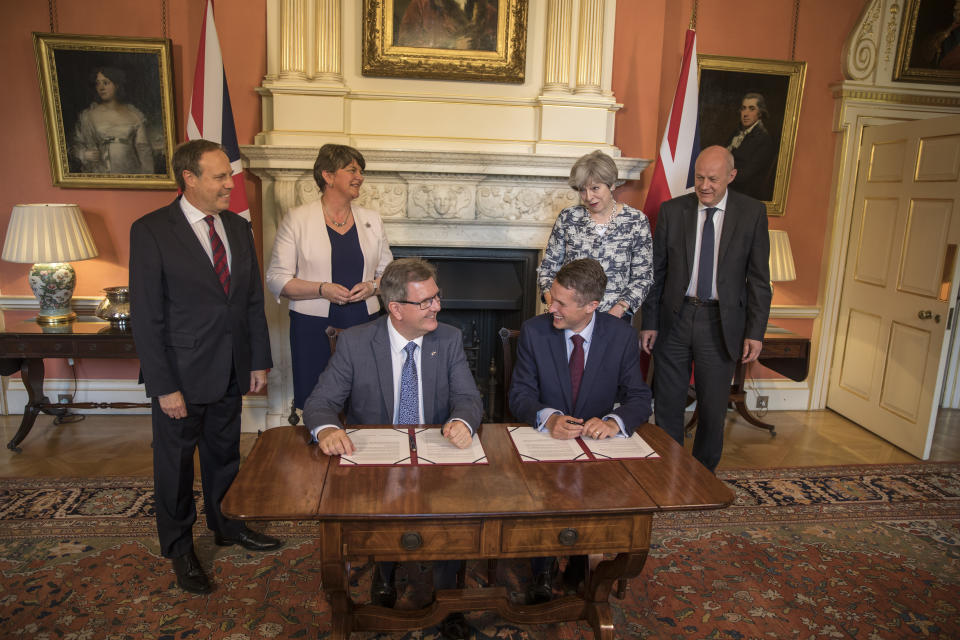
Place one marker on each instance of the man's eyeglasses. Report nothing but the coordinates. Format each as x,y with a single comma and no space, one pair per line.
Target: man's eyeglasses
423,304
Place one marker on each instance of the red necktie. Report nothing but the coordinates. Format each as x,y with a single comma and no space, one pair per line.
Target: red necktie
219,256
576,368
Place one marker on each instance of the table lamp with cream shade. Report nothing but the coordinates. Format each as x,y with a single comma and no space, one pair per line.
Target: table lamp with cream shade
49,236
781,258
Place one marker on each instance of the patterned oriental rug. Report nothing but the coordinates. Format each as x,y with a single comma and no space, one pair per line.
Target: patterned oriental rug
867,551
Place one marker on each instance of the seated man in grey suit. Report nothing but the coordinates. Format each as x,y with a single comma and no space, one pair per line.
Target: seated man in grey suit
403,368
577,375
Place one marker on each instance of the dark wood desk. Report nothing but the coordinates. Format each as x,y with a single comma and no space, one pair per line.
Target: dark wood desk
504,509
24,346
784,352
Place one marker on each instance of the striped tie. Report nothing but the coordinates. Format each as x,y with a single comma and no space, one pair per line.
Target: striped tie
219,256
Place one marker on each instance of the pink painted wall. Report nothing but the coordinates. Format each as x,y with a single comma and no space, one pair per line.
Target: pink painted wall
649,42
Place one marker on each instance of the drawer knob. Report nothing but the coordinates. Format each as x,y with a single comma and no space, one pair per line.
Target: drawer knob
411,541
568,537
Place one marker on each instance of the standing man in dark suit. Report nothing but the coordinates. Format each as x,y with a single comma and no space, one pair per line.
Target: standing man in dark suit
403,368
201,334
577,374
710,299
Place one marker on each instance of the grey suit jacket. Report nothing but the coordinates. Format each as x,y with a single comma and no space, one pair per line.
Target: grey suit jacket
188,332
360,378
743,270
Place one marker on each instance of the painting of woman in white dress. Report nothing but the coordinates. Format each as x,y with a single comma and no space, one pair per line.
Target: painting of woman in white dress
108,110
111,134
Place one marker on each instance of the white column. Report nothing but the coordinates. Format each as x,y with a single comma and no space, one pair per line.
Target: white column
328,60
590,47
292,59
557,58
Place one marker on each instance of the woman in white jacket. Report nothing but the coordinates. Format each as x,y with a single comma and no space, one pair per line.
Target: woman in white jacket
327,260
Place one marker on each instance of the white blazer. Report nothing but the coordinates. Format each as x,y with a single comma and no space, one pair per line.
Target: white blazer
302,250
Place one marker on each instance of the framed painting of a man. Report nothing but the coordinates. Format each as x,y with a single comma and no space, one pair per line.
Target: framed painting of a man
751,107
108,110
929,46
483,40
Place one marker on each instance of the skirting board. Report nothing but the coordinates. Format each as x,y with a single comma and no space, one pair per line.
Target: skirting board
783,395
252,419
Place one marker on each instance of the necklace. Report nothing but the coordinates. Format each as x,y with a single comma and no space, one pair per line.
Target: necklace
338,225
608,214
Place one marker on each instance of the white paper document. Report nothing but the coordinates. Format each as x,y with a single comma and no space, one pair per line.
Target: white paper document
433,448
632,447
379,446
540,446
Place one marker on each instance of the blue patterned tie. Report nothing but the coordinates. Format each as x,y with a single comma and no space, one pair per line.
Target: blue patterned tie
409,410
705,268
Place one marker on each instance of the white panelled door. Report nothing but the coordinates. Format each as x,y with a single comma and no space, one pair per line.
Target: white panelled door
900,279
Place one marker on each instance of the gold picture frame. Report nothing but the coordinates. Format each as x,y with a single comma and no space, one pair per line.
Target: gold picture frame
929,45
764,162
485,41
108,110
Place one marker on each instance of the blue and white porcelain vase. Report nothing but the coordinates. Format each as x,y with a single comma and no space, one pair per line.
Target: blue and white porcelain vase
53,284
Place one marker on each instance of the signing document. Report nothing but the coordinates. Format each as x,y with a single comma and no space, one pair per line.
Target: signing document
620,447
379,446
433,448
540,446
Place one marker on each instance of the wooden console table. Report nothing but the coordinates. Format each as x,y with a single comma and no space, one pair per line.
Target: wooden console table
24,346
784,352
504,509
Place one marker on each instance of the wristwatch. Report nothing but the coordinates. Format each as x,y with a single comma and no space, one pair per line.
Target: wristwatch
320,289
626,307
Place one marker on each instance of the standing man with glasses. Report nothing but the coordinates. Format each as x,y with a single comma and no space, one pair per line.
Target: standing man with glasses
403,368
709,302
201,334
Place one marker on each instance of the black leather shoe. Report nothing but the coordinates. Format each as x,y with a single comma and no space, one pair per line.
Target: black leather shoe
455,627
248,539
190,574
382,593
541,588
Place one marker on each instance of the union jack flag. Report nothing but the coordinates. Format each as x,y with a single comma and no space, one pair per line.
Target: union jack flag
673,174
210,116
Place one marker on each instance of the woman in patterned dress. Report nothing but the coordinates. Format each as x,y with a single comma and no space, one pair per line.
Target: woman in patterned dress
613,233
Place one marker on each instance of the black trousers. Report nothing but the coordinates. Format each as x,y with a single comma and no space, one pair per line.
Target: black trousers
694,343
214,429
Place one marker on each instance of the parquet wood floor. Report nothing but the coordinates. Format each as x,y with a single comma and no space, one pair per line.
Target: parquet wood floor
119,445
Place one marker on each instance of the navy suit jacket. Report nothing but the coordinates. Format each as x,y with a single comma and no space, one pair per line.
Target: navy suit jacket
743,269
360,378
188,332
541,376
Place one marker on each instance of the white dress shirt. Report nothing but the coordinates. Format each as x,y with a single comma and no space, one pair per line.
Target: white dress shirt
717,228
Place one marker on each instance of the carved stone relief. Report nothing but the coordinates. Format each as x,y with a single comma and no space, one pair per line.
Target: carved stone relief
527,203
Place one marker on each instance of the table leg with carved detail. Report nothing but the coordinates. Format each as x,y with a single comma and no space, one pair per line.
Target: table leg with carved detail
31,371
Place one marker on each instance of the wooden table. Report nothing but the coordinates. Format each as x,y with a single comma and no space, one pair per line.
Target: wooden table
784,352
504,509
24,346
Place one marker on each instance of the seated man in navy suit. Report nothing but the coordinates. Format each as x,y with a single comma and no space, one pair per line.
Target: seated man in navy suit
577,374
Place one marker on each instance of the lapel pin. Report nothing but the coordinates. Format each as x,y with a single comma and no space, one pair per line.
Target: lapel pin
433,353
